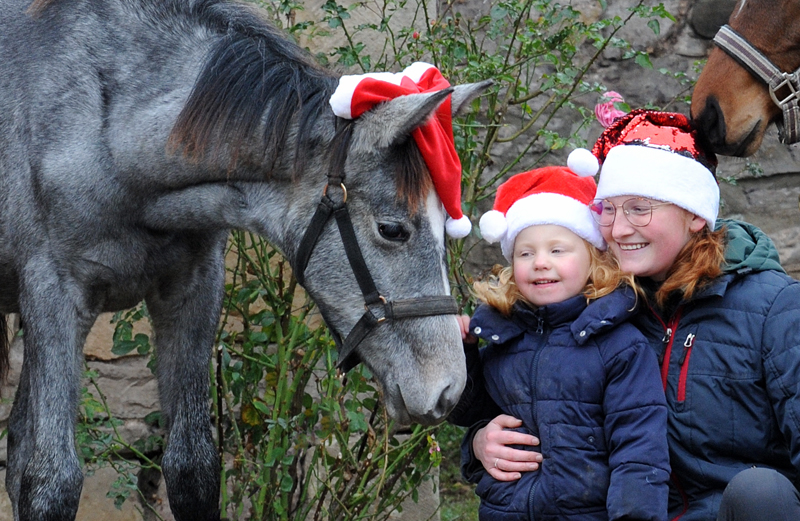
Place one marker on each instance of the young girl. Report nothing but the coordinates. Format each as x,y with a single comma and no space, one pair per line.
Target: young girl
562,358
723,318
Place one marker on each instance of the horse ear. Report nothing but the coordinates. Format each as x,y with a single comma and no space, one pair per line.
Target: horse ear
396,119
464,94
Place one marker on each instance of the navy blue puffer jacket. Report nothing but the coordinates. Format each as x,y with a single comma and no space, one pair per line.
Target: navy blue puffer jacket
731,372
586,383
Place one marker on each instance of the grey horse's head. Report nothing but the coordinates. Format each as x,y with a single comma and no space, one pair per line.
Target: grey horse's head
400,225
264,120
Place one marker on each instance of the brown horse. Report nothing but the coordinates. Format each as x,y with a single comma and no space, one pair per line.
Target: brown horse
731,104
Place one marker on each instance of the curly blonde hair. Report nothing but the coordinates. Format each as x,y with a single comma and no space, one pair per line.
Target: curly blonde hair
500,291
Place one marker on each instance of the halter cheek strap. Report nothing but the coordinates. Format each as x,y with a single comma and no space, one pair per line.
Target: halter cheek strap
378,310
784,87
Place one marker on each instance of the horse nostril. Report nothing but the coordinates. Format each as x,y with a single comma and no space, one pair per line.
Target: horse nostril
447,400
711,123
438,405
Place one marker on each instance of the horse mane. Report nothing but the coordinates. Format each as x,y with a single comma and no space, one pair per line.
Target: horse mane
412,179
255,77
252,77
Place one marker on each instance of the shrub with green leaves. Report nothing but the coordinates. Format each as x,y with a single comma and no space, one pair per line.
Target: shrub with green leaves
298,440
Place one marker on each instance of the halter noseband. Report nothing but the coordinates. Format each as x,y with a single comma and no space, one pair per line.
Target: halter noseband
760,66
379,310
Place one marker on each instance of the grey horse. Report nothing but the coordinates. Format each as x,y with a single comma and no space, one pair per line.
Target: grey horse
134,134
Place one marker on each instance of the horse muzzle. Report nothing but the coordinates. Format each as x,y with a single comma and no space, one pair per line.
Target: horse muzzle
423,400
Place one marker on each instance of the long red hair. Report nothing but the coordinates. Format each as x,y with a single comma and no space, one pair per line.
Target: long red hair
698,263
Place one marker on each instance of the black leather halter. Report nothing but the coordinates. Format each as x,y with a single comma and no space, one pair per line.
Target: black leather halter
784,87
379,310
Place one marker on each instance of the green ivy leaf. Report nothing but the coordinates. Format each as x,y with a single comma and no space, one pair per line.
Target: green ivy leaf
123,347
643,60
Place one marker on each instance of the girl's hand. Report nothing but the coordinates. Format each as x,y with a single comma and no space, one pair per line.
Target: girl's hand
501,462
466,336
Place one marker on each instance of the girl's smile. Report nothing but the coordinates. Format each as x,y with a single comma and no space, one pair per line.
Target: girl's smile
650,251
551,264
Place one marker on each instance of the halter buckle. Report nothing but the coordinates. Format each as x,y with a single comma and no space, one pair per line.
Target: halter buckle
788,82
383,317
344,192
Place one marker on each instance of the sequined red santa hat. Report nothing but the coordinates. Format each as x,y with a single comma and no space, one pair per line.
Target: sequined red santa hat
658,155
548,195
357,94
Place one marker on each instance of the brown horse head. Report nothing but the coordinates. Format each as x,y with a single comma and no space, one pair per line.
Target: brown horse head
730,105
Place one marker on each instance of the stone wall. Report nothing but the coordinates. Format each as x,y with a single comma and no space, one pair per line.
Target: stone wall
762,189
766,193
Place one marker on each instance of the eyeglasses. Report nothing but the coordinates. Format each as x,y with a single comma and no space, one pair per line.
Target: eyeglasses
638,211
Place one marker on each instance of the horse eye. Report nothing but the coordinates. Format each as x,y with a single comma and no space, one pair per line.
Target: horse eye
393,232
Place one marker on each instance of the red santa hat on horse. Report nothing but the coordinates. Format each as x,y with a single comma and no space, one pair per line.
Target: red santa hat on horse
358,93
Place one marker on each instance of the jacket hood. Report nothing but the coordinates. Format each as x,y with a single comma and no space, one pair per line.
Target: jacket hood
748,248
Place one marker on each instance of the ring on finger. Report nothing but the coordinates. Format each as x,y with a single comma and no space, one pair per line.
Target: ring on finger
495,462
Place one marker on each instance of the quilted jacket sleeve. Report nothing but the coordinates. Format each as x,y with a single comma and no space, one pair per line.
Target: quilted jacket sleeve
636,427
781,354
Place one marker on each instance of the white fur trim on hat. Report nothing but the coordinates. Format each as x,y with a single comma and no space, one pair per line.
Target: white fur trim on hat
661,175
458,228
342,97
583,162
550,208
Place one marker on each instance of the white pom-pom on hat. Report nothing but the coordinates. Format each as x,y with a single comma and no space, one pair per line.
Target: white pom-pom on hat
583,162
493,226
458,228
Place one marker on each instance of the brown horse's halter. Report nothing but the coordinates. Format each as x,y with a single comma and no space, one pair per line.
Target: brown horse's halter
379,310
784,87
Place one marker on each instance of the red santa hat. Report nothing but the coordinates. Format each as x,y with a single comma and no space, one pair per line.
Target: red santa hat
548,195
357,94
658,155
